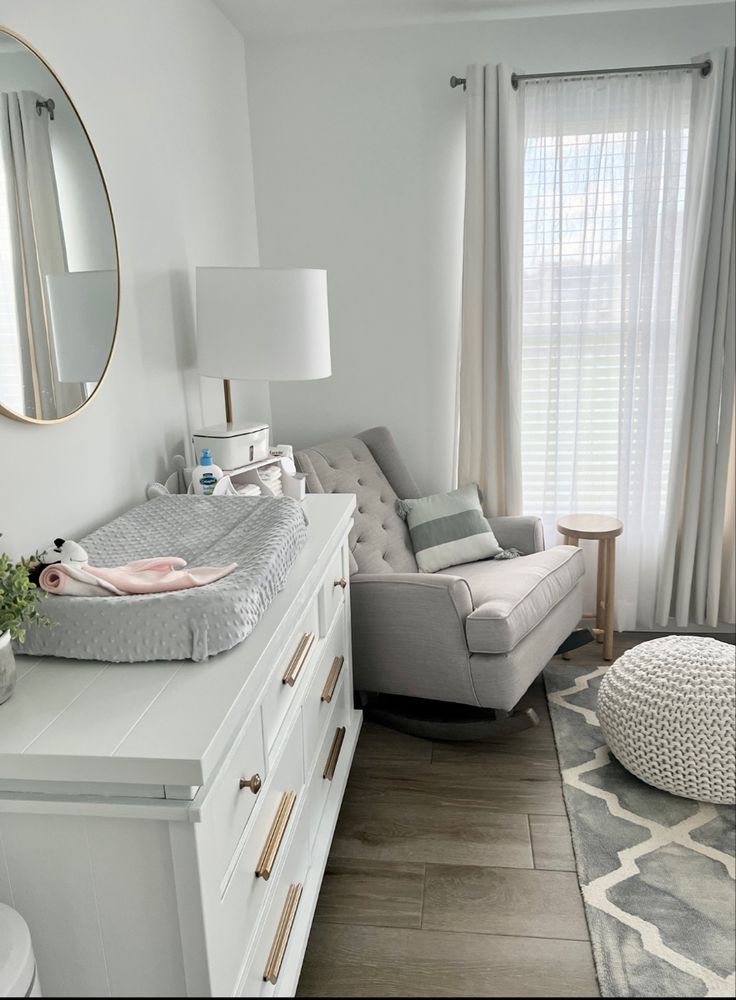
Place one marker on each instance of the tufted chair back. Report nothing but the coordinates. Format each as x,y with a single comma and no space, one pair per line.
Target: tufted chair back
369,466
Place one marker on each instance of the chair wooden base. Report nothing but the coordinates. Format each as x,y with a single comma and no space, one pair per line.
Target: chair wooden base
444,721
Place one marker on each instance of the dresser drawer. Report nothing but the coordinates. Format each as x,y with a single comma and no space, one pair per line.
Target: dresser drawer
332,591
322,693
238,900
237,790
330,760
274,938
287,679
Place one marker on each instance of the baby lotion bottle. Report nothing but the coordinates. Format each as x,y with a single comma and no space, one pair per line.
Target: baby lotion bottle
206,474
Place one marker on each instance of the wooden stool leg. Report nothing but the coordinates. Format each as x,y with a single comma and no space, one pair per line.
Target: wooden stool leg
600,591
610,598
569,541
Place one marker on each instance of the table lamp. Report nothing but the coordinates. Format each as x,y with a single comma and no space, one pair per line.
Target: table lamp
261,324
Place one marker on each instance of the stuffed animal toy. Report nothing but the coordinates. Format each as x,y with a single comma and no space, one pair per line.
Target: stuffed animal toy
62,551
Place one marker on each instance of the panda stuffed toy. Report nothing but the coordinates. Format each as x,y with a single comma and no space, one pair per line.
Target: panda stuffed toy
63,551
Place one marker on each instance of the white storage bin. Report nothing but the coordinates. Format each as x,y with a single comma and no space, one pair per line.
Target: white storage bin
233,446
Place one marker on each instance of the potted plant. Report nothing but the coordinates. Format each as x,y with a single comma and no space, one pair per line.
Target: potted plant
19,597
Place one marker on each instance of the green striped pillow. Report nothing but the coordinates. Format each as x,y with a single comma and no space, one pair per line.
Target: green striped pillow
448,529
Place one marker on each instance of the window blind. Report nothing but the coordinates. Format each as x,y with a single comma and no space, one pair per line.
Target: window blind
605,166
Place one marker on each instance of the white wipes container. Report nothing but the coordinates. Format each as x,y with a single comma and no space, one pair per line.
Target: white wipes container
18,977
233,445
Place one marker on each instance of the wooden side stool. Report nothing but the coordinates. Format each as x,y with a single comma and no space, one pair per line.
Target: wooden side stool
605,530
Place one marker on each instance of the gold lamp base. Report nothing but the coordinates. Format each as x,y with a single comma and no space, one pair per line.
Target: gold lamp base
228,401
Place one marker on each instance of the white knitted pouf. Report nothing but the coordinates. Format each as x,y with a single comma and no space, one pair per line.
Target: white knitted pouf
668,711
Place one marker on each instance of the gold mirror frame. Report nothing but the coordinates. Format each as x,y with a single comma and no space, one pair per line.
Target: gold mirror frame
20,417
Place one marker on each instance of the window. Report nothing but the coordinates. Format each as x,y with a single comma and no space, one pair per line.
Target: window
604,190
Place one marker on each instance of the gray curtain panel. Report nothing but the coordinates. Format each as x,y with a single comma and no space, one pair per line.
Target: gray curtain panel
489,377
691,570
37,249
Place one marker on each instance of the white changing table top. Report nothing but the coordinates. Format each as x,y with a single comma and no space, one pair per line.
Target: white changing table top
153,723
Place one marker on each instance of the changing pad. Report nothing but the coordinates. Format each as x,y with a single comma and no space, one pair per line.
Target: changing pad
262,535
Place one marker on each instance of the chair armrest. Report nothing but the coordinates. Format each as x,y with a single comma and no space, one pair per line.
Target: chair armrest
410,588
409,635
523,533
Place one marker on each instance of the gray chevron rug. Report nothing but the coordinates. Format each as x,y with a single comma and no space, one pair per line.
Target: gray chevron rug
656,871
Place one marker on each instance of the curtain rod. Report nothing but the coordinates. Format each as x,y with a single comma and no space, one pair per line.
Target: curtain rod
49,104
516,78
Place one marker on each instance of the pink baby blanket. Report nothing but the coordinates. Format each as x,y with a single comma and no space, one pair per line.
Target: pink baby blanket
146,576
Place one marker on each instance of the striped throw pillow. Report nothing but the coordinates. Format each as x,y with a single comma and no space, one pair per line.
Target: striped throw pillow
448,529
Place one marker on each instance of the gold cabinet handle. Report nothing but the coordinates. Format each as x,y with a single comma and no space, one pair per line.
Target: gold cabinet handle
275,836
297,661
329,771
254,783
283,933
341,583
332,679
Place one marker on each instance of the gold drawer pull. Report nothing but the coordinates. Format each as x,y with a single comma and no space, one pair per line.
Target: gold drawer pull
297,661
275,836
332,679
254,783
283,933
329,771
341,583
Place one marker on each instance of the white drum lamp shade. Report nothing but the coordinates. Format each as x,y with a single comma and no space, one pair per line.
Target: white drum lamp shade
262,323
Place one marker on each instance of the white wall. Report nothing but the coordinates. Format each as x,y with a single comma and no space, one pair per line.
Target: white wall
358,153
161,88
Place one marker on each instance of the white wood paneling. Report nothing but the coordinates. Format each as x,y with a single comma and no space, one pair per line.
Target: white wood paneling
25,663
40,697
53,888
6,890
89,722
133,875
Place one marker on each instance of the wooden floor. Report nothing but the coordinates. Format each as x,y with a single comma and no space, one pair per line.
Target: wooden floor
452,872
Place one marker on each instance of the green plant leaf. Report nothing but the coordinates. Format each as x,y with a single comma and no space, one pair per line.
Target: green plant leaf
19,598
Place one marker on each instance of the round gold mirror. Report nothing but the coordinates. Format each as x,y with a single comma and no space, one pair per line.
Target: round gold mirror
58,251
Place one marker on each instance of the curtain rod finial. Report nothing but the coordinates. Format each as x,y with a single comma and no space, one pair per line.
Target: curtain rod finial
457,81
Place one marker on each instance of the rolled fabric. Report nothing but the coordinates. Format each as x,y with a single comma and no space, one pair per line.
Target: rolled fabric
157,576
57,579
145,576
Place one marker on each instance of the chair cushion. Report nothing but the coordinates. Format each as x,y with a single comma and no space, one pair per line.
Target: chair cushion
512,597
379,541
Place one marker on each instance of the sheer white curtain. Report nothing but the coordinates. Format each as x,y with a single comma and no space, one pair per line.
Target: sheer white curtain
489,380
604,188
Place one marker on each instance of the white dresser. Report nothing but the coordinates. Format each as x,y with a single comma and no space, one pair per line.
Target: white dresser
164,827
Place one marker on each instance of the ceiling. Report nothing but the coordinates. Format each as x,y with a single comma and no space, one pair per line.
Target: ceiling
271,17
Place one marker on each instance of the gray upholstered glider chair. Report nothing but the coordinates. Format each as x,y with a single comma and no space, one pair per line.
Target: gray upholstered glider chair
476,634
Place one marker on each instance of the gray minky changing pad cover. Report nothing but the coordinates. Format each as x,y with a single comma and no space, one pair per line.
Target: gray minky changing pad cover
263,535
